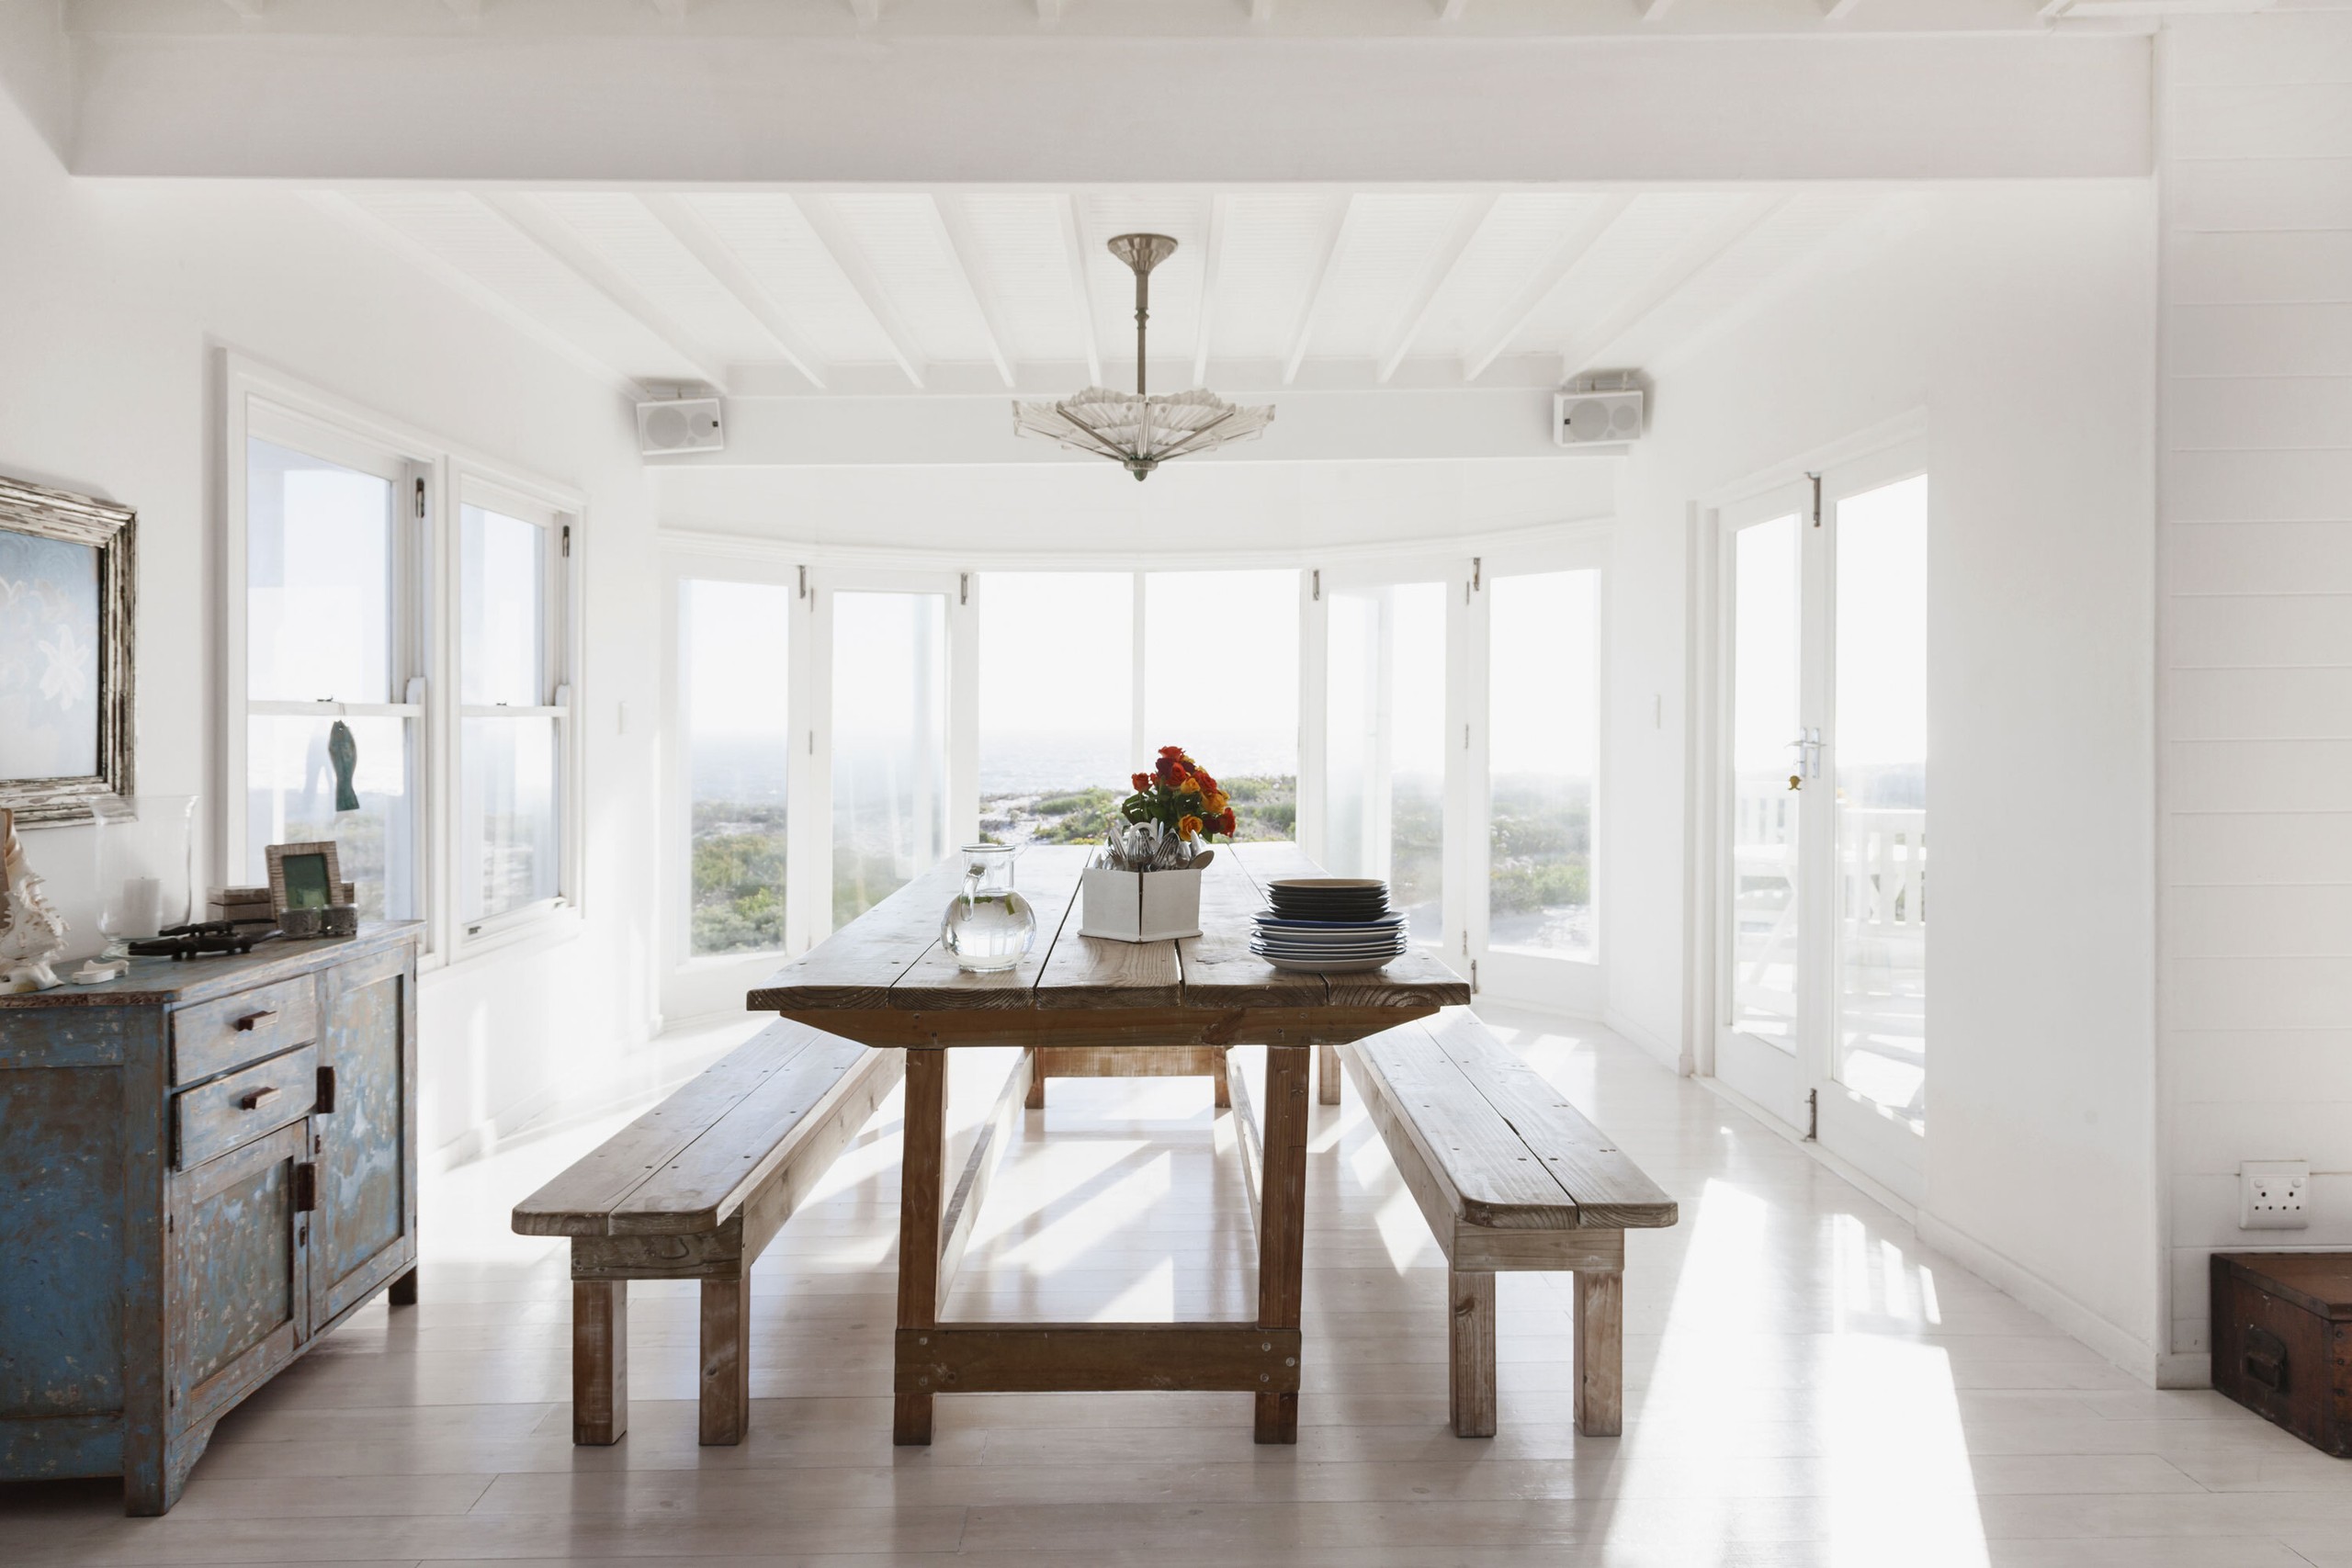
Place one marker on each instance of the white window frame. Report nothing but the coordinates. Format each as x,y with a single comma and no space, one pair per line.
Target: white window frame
259,400
474,483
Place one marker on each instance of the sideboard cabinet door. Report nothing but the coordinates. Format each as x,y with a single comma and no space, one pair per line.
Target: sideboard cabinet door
366,1227
240,1294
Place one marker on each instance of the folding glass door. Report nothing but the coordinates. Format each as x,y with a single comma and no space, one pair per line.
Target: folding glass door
1385,753
1821,829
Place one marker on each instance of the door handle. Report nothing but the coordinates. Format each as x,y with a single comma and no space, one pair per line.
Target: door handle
255,1098
245,1024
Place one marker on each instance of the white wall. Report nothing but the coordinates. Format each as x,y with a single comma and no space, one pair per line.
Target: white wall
2020,321
121,297
2256,768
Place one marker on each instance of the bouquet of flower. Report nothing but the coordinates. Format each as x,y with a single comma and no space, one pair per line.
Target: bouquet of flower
1175,806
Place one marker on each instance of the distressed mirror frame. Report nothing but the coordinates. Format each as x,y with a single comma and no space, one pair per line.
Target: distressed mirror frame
112,531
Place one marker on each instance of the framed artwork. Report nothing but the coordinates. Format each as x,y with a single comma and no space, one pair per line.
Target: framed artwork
303,877
68,582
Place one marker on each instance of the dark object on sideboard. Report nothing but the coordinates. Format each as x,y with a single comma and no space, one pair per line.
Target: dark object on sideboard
2282,1340
206,1164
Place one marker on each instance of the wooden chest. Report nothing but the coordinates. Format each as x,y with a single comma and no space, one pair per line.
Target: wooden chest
203,1167
2282,1340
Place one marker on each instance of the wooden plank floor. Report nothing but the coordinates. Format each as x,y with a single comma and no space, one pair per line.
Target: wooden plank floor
1806,1384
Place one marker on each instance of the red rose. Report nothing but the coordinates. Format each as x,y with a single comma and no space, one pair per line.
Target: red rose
1142,782
1167,768
1171,752
1208,784
1225,823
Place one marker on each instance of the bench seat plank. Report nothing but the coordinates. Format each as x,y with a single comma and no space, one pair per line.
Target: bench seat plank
1496,1179
581,1201
1610,1190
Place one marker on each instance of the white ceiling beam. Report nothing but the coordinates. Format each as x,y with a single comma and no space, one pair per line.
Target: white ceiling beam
551,234
1205,317
868,11
827,225
1262,10
467,10
1051,11
676,10
248,10
435,265
1838,10
691,231
1581,238
1318,294
1451,10
952,228
1685,262
1074,251
1655,10
1440,274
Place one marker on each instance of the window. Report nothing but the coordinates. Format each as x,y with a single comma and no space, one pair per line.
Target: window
1543,718
889,744
1384,746
510,742
380,582
735,674
326,552
1057,685
1221,680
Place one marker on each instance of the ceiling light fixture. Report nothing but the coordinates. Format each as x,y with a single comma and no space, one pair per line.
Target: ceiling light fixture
1139,432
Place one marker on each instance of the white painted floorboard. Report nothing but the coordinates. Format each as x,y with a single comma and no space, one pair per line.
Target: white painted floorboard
1806,1384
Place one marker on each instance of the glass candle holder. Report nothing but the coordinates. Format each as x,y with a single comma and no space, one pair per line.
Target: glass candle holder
146,876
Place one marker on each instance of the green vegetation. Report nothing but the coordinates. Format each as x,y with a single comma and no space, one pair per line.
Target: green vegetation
1542,845
738,877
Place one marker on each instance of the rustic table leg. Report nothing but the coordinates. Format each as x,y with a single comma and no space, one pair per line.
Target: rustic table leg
921,1171
1470,1378
1282,1223
1036,1100
1600,1353
599,1361
726,1359
1326,1074
1224,1084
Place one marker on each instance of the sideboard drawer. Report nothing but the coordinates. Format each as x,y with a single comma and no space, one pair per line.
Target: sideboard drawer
215,1036
218,1116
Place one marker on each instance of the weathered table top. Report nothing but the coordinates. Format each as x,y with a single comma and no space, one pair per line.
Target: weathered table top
885,979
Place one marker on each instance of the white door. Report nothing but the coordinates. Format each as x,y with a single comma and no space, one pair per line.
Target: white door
1820,983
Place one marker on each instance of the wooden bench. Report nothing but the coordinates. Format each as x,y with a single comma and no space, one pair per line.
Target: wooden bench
1509,1177
693,1190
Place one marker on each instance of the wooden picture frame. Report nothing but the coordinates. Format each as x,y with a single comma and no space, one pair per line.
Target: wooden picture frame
66,712
295,889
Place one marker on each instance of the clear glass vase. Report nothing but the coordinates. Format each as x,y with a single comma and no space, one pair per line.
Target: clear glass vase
146,874
989,926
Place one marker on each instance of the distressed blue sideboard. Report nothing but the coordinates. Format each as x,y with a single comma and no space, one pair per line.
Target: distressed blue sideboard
203,1167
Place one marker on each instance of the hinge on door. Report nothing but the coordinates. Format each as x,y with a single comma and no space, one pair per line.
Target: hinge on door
306,1188
419,498
1318,577
1474,977
804,583
1813,1115
567,541
326,1093
1477,569
963,588
1815,477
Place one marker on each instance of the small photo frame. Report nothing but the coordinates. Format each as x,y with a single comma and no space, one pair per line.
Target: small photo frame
303,877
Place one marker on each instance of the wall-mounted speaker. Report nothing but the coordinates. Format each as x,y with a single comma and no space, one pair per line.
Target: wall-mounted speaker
681,425
1581,419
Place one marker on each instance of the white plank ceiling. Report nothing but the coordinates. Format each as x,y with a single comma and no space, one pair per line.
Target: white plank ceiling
778,292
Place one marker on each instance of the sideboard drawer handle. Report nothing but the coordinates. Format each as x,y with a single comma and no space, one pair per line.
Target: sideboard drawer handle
245,1024
255,1098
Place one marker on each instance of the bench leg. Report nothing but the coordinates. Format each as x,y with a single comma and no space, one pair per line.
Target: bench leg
1470,1376
401,1293
921,1175
599,1361
1326,1074
1036,1100
1224,1085
1600,1353
725,1361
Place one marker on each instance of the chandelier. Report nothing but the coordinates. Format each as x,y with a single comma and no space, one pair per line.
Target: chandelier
1138,432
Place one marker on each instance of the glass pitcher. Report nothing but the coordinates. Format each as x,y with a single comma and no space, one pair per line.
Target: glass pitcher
989,926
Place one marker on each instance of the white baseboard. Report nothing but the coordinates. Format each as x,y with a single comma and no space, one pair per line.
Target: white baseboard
1672,1058
482,1139
2192,1368
1845,1170
2119,1345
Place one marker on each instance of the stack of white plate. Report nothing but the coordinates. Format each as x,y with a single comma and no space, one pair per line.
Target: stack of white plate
1329,923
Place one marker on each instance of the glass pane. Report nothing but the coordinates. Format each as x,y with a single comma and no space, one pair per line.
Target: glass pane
318,579
1767,654
1544,691
508,836
1417,753
1221,680
889,744
1883,795
290,799
734,656
502,575
1057,688
1385,741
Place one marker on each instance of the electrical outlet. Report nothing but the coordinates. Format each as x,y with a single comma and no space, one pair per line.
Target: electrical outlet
2270,1194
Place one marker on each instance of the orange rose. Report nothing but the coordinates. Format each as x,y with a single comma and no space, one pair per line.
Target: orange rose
1214,800
1191,785
1190,827
1142,782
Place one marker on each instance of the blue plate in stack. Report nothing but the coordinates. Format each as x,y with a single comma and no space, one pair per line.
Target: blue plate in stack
1329,923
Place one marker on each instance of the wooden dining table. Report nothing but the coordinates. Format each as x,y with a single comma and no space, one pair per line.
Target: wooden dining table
886,981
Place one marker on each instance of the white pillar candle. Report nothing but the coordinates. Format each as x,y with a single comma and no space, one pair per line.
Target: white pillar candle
143,906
